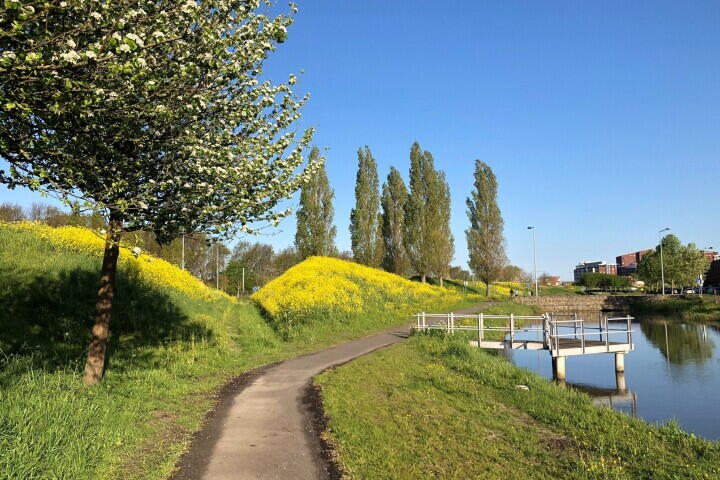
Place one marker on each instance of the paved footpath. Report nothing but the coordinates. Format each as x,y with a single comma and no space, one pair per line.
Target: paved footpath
266,430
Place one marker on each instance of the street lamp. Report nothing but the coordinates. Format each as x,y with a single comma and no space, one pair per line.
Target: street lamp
534,261
662,267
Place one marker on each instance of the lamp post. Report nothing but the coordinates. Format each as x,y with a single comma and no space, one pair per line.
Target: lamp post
534,261
662,267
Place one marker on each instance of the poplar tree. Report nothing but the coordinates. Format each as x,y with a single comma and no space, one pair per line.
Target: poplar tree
427,237
485,239
441,243
394,199
152,113
315,230
365,219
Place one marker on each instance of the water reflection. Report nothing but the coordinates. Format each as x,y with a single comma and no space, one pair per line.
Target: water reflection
679,343
619,398
673,373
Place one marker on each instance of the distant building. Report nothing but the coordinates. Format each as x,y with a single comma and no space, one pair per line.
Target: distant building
550,281
593,267
712,277
627,264
711,255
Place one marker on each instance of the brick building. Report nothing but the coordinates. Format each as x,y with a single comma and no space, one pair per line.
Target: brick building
711,255
550,281
593,267
627,264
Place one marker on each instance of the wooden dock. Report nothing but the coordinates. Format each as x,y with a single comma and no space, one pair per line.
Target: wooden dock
562,335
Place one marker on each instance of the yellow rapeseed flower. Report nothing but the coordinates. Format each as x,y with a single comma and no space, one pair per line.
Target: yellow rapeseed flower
322,286
155,271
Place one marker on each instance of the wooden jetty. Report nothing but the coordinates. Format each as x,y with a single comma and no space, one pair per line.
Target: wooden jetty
562,335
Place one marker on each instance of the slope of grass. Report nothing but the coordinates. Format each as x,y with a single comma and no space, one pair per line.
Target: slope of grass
173,343
163,346
705,309
434,407
322,296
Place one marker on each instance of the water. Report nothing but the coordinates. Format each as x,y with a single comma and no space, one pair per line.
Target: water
673,373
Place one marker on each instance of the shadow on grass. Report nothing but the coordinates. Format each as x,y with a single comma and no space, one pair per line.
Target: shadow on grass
47,319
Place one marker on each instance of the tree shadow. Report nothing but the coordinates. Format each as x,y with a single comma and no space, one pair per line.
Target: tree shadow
47,319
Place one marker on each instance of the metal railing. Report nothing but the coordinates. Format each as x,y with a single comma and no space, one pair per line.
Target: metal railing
552,327
602,330
424,322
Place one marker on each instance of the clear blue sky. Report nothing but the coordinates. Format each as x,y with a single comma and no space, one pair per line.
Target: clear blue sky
600,119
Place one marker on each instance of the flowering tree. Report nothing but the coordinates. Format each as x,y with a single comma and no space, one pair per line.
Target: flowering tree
151,112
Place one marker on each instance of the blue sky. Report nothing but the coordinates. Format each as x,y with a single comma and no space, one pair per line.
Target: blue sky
601,120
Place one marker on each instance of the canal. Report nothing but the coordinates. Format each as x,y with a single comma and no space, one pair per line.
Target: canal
673,373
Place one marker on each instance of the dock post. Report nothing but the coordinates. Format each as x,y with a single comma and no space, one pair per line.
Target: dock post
480,329
451,324
558,364
423,322
512,330
619,362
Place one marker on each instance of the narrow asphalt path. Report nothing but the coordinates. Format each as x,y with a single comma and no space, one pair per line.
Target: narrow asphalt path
263,427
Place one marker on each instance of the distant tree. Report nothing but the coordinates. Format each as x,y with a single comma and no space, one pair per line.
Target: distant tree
682,263
239,278
426,232
257,259
315,230
394,199
604,280
346,255
11,212
152,113
459,273
365,220
285,259
486,242
512,273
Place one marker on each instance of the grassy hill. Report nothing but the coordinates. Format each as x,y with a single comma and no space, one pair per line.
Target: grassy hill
173,343
328,294
434,407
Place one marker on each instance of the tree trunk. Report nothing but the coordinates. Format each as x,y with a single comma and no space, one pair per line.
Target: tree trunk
423,278
487,289
441,282
95,364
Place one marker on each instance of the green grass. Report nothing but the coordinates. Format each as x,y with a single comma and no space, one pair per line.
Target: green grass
434,407
705,309
568,290
168,355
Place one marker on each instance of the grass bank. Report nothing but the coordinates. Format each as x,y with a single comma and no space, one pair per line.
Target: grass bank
695,308
434,407
173,343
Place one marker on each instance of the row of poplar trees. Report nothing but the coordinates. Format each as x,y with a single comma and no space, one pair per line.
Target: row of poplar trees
403,230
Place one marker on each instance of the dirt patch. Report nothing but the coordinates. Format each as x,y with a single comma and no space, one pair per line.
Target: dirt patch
166,432
317,433
194,461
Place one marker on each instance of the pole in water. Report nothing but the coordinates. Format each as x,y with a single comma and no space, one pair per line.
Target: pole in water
619,362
